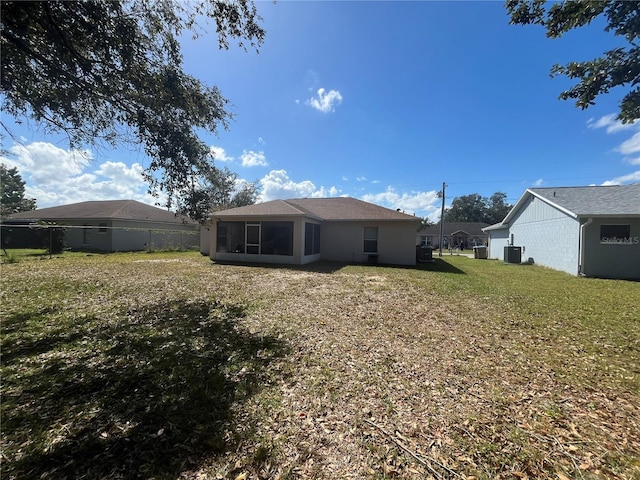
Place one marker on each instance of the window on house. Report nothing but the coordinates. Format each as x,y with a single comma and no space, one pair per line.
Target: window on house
615,234
370,239
102,228
311,238
426,240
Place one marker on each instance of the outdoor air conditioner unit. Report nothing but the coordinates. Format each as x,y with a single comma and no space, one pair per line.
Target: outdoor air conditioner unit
512,254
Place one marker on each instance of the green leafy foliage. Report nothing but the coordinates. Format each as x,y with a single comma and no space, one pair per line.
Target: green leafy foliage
12,199
475,208
215,189
111,71
619,67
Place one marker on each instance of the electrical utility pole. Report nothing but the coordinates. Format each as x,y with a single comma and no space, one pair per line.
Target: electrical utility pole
441,194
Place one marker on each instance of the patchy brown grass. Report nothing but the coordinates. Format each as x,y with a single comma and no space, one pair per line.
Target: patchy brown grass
459,369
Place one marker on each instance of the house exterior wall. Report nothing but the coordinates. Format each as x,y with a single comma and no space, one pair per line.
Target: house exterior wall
86,234
339,242
498,239
344,242
205,238
133,236
548,236
612,260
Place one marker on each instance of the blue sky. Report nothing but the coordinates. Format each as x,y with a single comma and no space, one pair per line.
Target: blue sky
381,101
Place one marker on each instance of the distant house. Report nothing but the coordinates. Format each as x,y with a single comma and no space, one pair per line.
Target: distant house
304,230
591,231
468,234
118,225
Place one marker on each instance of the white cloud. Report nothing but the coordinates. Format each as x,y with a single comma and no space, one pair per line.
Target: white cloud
623,179
422,204
361,179
55,176
538,183
118,171
277,184
610,123
630,146
47,163
219,154
325,102
633,161
253,159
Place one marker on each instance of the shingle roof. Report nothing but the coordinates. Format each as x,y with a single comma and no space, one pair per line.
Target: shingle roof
104,210
594,201
334,209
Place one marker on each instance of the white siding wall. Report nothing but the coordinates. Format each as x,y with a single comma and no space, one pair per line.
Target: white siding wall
498,239
549,236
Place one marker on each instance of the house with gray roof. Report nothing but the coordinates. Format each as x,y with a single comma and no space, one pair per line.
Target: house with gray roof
117,225
304,230
592,231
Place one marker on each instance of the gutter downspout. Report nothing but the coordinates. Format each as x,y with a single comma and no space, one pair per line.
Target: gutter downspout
581,245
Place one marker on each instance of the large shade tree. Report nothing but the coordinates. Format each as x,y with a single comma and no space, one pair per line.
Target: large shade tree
619,67
111,71
476,208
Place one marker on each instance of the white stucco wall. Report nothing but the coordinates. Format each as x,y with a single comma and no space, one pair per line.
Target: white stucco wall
548,236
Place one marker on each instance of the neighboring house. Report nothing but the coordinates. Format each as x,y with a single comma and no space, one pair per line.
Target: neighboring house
118,225
469,234
305,230
591,231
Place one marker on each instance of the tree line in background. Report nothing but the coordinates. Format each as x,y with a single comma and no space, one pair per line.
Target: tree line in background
475,208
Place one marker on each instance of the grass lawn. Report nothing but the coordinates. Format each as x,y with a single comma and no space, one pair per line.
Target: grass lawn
167,366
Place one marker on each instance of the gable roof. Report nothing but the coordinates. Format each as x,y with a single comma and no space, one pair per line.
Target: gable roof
470,228
333,209
105,210
591,201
